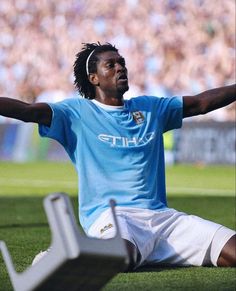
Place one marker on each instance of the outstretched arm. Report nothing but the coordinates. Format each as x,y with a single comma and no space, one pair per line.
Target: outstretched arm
37,112
208,100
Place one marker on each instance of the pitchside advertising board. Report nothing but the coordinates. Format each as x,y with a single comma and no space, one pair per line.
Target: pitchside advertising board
196,142
206,142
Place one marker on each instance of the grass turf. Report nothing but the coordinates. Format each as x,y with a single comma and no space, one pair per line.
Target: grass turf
23,224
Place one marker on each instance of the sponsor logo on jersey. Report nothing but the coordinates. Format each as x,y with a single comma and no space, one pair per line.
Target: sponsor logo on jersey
122,141
138,117
106,227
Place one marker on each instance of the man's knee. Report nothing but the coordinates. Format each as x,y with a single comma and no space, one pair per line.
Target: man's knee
227,256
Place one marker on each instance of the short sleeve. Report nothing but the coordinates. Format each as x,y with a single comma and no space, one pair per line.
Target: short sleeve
170,113
61,125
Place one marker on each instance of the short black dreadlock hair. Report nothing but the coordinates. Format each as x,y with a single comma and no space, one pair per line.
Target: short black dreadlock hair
82,83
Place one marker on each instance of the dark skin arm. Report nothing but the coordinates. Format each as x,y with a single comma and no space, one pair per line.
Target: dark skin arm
40,113
208,100
201,104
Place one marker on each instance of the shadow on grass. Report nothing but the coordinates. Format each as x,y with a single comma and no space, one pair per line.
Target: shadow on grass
160,268
152,268
23,225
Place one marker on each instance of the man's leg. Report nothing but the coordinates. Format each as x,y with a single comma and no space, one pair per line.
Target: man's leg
227,256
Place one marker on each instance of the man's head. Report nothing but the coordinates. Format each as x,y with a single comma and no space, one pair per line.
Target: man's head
100,68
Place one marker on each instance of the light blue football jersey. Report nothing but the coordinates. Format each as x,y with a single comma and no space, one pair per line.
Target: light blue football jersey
118,154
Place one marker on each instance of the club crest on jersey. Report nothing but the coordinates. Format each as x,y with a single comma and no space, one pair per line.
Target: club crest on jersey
138,117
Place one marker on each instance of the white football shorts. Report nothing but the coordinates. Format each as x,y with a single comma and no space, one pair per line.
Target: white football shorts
166,237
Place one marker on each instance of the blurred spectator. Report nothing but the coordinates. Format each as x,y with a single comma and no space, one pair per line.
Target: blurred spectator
171,46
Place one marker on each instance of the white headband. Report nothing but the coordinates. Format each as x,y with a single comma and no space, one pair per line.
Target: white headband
87,61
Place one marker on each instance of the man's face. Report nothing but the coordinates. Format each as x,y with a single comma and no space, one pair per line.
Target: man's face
112,74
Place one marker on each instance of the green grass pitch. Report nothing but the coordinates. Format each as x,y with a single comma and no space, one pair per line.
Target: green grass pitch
206,191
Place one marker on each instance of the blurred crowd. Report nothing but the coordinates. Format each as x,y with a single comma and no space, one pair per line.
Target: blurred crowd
172,47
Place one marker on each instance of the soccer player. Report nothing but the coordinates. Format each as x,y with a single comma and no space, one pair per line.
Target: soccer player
116,147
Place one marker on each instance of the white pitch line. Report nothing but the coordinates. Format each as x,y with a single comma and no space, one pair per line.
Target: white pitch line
200,191
35,183
16,182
